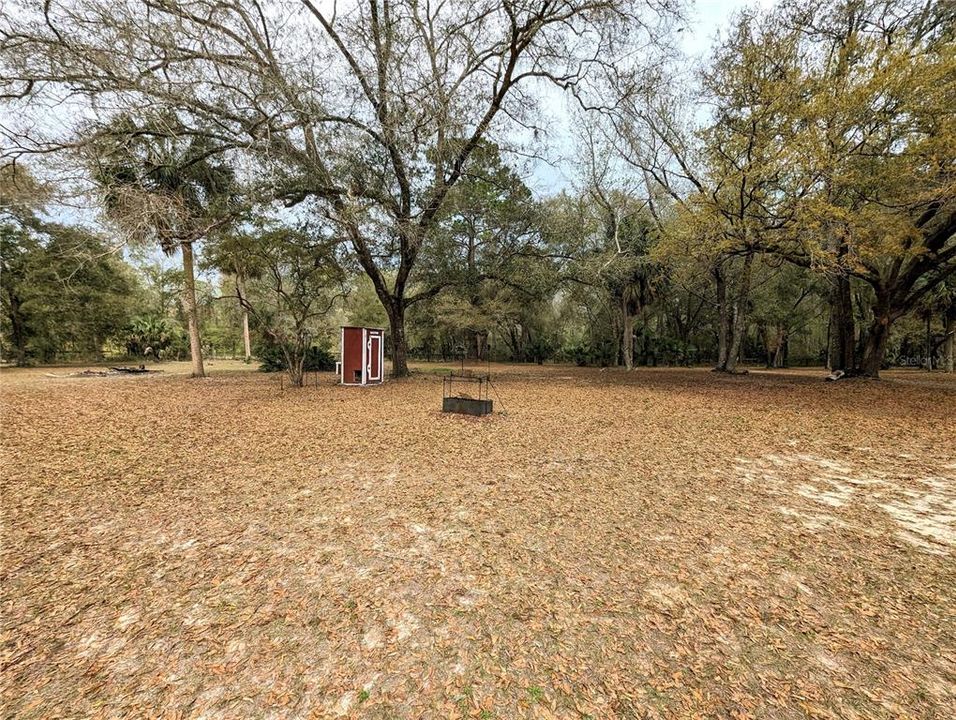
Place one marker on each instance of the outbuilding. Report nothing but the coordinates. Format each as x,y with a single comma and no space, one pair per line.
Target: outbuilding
362,356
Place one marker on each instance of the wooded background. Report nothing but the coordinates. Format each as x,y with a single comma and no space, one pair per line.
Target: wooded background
789,200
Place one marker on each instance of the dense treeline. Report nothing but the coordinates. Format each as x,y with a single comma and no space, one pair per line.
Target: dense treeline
792,200
68,294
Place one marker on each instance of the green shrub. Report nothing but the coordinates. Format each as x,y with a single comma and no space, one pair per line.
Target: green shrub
157,336
583,353
272,358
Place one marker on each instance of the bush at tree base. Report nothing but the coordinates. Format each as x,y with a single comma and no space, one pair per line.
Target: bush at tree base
272,359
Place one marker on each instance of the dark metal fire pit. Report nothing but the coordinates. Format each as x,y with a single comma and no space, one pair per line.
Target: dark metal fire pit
456,400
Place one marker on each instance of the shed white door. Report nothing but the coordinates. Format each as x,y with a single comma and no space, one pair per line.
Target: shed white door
374,357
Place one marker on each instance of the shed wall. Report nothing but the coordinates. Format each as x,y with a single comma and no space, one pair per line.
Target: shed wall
352,355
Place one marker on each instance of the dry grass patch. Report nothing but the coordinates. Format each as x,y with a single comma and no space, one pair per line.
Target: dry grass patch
663,543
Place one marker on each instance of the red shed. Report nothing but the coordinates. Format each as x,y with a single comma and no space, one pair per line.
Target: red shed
363,355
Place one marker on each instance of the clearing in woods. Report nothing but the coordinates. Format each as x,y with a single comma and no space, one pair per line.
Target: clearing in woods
660,543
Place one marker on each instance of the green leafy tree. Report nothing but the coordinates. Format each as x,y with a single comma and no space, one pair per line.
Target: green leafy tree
485,245
62,288
294,281
877,134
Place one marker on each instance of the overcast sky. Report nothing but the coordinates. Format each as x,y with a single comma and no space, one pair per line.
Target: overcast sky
706,19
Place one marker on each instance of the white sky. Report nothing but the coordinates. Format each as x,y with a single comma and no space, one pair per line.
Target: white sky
710,16
706,20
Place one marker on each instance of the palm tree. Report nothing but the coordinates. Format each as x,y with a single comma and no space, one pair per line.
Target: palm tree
167,187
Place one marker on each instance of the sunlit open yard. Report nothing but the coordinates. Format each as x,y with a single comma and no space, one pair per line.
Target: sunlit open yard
660,543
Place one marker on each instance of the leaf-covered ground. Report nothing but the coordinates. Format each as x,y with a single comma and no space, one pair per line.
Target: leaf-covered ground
661,543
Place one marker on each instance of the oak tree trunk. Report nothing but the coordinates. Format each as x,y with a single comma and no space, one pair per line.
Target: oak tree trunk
296,363
841,353
877,336
396,322
738,325
190,307
723,318
875,349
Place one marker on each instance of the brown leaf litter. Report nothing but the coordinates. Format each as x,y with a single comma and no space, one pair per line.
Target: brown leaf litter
653,544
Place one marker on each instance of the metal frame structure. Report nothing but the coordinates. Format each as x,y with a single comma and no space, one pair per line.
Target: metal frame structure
481,405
